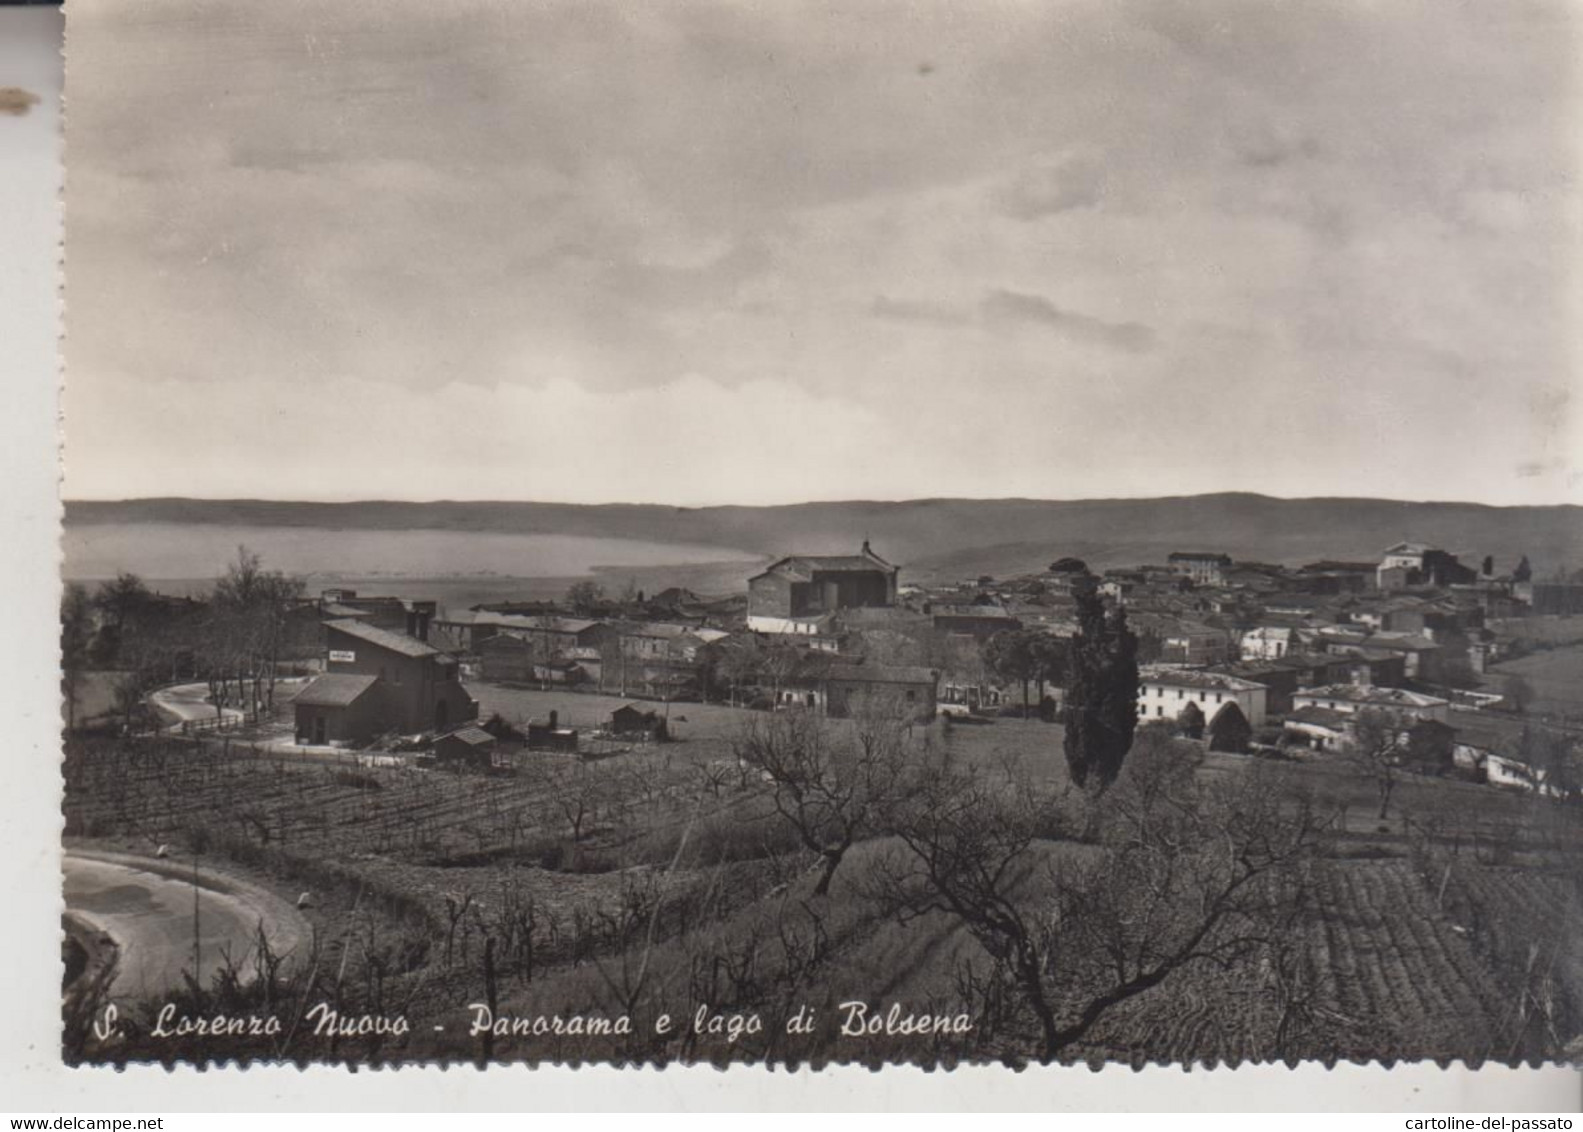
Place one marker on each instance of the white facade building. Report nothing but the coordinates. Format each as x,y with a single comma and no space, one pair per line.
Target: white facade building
1163,692
1350,699
1267,642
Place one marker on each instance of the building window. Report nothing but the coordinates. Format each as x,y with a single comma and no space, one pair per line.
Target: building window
1158,712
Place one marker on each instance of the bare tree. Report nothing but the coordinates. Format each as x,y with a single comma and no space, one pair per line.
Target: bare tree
1182,875
251,613
585,597
739,662
830,781
1375,746
579,796
779,662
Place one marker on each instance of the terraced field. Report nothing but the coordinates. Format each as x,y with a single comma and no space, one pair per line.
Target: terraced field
671,859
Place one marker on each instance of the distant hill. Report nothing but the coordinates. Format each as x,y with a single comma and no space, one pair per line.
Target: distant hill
952,536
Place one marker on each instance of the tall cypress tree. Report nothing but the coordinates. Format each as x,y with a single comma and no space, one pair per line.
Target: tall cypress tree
1102,697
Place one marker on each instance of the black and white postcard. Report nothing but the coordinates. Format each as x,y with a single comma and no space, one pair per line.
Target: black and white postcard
891,533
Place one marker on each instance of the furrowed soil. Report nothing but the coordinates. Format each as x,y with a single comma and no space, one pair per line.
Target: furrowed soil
661,873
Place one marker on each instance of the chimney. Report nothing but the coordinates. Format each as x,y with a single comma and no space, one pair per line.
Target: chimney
554,719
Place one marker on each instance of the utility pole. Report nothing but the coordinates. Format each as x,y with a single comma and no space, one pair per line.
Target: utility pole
197,934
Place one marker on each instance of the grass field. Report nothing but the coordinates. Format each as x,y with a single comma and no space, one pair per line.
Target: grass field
1555,675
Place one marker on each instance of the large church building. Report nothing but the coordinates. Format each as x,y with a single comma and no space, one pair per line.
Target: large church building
798,593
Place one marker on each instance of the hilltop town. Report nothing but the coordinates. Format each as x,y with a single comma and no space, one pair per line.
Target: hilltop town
725,781
1418,634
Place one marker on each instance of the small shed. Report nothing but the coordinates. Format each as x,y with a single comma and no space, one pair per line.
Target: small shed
630,719
337,707
551,736
470,747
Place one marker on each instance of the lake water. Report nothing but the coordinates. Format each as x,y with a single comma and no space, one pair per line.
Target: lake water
183,550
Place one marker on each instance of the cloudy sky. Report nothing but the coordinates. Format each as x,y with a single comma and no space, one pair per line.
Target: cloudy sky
774,251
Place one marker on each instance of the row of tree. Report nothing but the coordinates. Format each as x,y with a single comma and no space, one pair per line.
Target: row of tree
235,639
1081,901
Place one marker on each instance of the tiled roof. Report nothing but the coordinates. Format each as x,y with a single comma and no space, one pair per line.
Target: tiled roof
384,638
804,565
838,562
1395,642
472,736
1194,678
1359,694
335,689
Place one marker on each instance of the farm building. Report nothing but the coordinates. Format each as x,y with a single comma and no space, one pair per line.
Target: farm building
847,686
405,684
512,647
1285,677
655,659
796,593
551,736
1319,728
472,748
338,708
632,719
1164,691
1350,699
1489,748
511,658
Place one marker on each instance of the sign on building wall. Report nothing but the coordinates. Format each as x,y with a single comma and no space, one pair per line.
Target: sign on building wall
345,656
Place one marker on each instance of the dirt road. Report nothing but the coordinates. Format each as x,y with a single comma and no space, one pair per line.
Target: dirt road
188,703
151,909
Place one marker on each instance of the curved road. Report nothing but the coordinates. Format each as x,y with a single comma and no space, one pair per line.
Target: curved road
189,703
147,908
